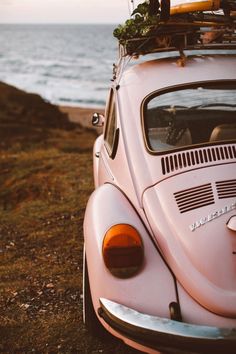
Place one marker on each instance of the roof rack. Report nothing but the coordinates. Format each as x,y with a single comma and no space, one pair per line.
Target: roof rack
192,31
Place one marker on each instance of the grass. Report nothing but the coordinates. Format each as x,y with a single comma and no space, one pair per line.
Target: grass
45,181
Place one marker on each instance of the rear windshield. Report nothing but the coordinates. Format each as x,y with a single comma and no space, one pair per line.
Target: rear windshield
204,113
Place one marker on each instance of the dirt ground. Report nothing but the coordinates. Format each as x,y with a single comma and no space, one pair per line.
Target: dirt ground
45,182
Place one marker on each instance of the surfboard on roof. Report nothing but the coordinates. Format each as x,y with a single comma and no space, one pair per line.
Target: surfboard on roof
185,6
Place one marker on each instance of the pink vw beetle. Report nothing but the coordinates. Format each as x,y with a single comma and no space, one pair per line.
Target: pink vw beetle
160,227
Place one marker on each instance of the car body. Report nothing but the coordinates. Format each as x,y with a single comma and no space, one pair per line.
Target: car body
165,180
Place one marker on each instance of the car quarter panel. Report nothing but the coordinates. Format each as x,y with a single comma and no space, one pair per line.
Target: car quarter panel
96,154
152,289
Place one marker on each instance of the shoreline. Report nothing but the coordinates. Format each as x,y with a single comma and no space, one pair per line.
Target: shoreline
80,115
17,104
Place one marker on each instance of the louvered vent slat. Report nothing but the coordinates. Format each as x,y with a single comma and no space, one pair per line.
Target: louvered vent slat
193,198
226,189
185,159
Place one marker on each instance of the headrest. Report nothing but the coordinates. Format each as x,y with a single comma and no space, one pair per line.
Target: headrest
223,132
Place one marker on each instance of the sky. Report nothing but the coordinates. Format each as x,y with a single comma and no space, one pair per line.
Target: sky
64,11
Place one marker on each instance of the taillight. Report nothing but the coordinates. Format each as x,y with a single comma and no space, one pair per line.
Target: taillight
123,251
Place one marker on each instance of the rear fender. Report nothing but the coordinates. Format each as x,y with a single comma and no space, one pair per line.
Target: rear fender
152,289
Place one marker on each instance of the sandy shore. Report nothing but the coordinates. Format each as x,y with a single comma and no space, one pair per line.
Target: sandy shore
80,115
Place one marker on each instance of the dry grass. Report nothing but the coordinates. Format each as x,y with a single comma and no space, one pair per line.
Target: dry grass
45,181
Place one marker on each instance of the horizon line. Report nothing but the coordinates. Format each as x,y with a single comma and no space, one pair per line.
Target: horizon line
58,23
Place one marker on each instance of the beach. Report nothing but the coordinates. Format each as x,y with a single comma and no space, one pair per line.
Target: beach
81,115
45,182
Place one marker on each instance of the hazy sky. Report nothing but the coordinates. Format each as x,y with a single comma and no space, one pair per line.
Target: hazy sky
63,11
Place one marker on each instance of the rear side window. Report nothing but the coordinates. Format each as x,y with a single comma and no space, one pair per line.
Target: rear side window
186,116
110,129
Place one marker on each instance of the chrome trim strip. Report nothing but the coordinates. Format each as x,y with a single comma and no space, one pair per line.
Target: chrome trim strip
156,332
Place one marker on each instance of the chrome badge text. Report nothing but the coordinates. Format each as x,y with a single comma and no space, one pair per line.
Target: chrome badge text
212,216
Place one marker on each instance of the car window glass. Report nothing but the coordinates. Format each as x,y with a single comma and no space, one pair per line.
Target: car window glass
189,116
110,124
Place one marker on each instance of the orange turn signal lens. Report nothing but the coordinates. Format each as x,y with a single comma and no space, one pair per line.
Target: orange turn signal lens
123,250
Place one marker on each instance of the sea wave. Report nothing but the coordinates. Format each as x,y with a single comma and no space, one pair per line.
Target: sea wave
81,102
69,64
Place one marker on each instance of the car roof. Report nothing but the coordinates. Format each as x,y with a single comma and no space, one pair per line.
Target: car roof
144,78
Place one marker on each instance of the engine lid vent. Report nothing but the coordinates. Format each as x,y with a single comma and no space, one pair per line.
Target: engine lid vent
194,198
190,158
226,189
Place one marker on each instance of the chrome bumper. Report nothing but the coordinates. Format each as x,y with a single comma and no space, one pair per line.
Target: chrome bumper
167,335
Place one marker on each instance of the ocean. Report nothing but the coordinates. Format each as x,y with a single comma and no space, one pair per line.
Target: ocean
69,65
